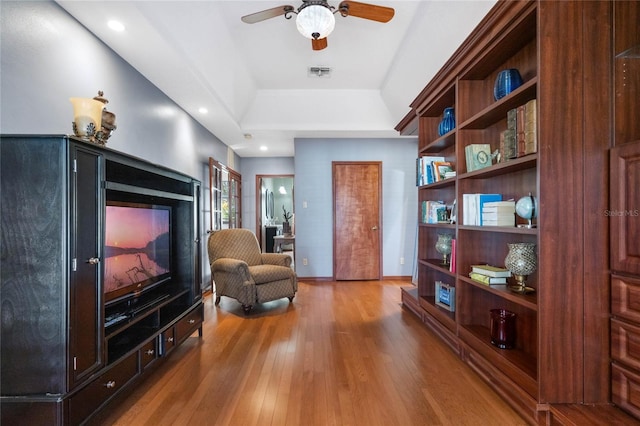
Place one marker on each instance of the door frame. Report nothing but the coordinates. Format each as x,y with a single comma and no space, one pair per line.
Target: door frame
259,201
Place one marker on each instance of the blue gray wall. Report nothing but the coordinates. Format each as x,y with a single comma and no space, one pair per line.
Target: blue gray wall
313,183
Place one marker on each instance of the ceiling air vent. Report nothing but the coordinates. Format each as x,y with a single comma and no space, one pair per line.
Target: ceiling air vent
324,72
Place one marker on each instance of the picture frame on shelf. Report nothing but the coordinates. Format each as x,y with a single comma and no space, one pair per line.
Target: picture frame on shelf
445,296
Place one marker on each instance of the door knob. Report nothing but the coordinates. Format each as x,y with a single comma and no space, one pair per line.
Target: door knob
374,228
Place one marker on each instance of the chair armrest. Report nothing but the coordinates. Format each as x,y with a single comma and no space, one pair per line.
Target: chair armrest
232,266
276,259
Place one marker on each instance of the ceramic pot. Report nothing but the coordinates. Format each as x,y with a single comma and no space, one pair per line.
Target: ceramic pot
507,81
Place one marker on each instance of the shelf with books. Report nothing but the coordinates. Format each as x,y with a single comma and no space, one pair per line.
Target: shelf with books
529,301
500,229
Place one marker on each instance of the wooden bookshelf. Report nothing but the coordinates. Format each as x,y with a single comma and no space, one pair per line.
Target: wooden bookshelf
561,351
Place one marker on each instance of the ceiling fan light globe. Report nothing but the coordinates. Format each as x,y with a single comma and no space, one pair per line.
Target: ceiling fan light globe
315,21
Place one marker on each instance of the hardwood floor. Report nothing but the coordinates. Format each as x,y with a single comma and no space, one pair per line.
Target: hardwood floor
342,353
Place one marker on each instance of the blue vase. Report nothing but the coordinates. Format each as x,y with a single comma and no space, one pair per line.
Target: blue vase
507,81
448,122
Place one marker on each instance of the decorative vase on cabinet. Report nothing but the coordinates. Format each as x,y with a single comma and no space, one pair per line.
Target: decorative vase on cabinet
521,261
507,81
448,122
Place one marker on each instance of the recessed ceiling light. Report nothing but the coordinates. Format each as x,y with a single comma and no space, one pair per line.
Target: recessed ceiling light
248,136
116,25
203,110
263,148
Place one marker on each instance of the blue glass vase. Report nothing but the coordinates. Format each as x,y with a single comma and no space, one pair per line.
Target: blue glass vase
448,122
507,81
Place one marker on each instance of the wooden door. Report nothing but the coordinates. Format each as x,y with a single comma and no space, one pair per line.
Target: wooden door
357,233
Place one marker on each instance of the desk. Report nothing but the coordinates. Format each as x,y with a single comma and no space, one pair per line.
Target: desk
279,240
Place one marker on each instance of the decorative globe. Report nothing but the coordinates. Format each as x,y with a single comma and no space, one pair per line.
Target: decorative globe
527,208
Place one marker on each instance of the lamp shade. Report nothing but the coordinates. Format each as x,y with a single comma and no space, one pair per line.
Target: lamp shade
315,21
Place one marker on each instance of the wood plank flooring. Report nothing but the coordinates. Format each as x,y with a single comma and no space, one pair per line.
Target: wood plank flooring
343,353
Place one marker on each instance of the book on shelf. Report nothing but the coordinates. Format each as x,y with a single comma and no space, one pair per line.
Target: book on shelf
424,169
441,169
499,213
486,279
491,271
530,128
434,212
472,207
478,156
520,144
452,261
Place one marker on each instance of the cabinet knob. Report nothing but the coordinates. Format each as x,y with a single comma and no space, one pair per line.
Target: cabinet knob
170,340
150,352
93,261
110,384
192,321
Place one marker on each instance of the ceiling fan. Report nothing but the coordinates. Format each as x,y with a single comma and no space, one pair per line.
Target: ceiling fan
315,18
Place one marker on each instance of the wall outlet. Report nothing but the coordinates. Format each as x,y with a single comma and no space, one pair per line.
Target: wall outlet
402,260
305,262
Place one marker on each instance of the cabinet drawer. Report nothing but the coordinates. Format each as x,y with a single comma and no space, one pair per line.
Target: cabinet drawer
190,323
625,389
168,340
625,343
625,298
148,354
85,402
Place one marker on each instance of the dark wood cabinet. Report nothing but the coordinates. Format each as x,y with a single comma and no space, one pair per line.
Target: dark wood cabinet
561,352
624,209
61,360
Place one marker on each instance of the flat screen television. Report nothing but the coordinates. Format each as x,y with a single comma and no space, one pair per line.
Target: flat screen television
137,252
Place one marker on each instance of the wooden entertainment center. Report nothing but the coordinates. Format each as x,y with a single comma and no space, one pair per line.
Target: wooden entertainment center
579,61
65,352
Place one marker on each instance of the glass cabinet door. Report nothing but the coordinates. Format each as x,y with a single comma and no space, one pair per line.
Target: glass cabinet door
225,198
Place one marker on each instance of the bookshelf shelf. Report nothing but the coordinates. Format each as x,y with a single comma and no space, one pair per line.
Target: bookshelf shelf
446,317
446,141
528,301
499,229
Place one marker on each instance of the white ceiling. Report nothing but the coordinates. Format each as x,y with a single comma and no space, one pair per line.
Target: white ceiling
253,78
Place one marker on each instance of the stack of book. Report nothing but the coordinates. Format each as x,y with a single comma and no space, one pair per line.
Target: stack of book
499,213
472,205
489,275
434,212
520,138
425,171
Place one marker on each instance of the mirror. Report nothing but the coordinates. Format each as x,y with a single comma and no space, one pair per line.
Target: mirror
276,193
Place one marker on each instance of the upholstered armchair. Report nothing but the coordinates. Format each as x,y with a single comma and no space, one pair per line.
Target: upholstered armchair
241,271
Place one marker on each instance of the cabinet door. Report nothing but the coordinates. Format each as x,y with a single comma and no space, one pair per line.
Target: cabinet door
625,208
85,307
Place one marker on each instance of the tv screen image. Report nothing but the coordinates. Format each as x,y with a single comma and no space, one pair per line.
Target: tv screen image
137,248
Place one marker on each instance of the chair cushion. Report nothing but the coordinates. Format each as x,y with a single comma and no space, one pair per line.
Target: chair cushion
266,273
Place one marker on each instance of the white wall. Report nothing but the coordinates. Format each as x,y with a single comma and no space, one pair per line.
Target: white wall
314,224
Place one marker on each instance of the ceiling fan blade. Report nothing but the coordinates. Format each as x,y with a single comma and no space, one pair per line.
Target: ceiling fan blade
267,14
366,11
319,44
